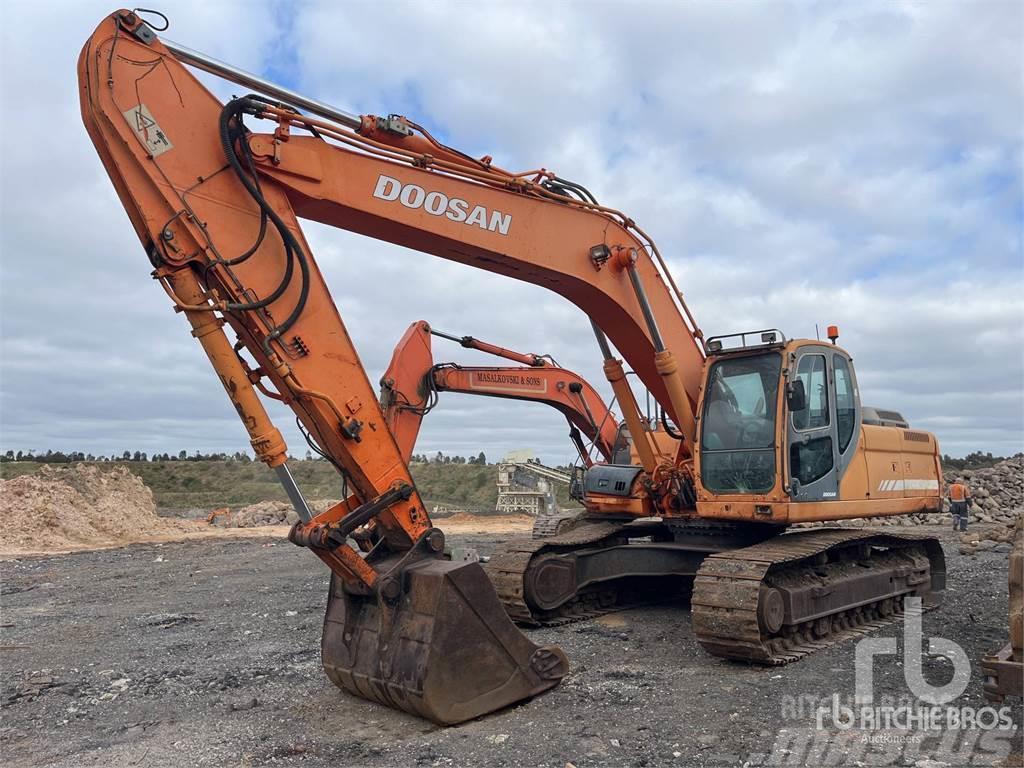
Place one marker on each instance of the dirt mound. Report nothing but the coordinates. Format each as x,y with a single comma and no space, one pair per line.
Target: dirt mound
61,508
264,513
468,518
464,523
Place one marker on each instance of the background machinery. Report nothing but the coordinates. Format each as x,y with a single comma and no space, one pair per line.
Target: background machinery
767,431
412,381
529,488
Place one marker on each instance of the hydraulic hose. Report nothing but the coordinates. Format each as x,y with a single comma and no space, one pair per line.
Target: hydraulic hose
293,250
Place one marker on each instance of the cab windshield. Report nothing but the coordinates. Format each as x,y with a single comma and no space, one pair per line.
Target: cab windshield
738,425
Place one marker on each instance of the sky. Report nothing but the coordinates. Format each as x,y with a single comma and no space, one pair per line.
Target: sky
857,164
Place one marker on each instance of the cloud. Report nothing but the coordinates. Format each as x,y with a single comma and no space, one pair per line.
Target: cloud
797,163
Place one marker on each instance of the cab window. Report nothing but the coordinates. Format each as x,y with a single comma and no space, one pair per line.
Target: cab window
810,461
738,424
846,408
811,370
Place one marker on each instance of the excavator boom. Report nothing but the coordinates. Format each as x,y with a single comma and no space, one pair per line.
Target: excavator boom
412,380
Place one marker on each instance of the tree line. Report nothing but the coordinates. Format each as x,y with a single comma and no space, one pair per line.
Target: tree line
440,458
976,460
69,457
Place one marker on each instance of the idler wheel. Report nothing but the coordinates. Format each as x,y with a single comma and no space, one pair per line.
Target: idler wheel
771,610
550,581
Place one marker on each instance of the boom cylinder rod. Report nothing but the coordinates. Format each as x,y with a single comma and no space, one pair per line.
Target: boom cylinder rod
645,449
645,307
602,341
616,376
664,360
284,476
526,358
222,69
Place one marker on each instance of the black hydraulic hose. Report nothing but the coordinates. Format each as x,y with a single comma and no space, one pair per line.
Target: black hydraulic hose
263,219
567,188
233,110
577,187
318,450
240,134
558,189
292,247
669,430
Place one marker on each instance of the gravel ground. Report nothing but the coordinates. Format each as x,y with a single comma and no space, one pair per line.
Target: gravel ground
206,653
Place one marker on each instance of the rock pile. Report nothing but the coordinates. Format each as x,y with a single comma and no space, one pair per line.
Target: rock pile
998,491
995,537
264,513
81,506
998,494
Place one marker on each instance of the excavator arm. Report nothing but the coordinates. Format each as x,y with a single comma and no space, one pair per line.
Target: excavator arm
216,207
412,380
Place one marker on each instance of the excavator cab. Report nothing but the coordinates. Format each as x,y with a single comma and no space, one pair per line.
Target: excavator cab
754,441
744,419
821,436
782,435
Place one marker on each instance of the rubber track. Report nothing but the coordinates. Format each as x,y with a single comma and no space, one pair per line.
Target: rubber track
727,589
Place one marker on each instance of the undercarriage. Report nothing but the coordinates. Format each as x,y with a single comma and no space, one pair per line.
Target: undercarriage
758,594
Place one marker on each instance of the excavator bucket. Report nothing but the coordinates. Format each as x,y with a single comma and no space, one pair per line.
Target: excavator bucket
442,648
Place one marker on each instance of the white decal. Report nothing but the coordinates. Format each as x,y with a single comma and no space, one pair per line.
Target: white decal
912,484
145,126
439,204
500,222
387,188
457,209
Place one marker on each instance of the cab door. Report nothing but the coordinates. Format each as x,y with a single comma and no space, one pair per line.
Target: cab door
822,436
812,457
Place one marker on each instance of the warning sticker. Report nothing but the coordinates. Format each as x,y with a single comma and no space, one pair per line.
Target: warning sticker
146,128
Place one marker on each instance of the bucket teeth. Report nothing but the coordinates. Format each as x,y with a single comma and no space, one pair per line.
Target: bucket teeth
444,649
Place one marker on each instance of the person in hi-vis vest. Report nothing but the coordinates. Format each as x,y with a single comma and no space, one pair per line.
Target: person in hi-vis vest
959,503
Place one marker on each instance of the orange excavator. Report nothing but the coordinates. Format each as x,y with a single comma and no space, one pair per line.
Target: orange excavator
768,430
412,381
410,386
